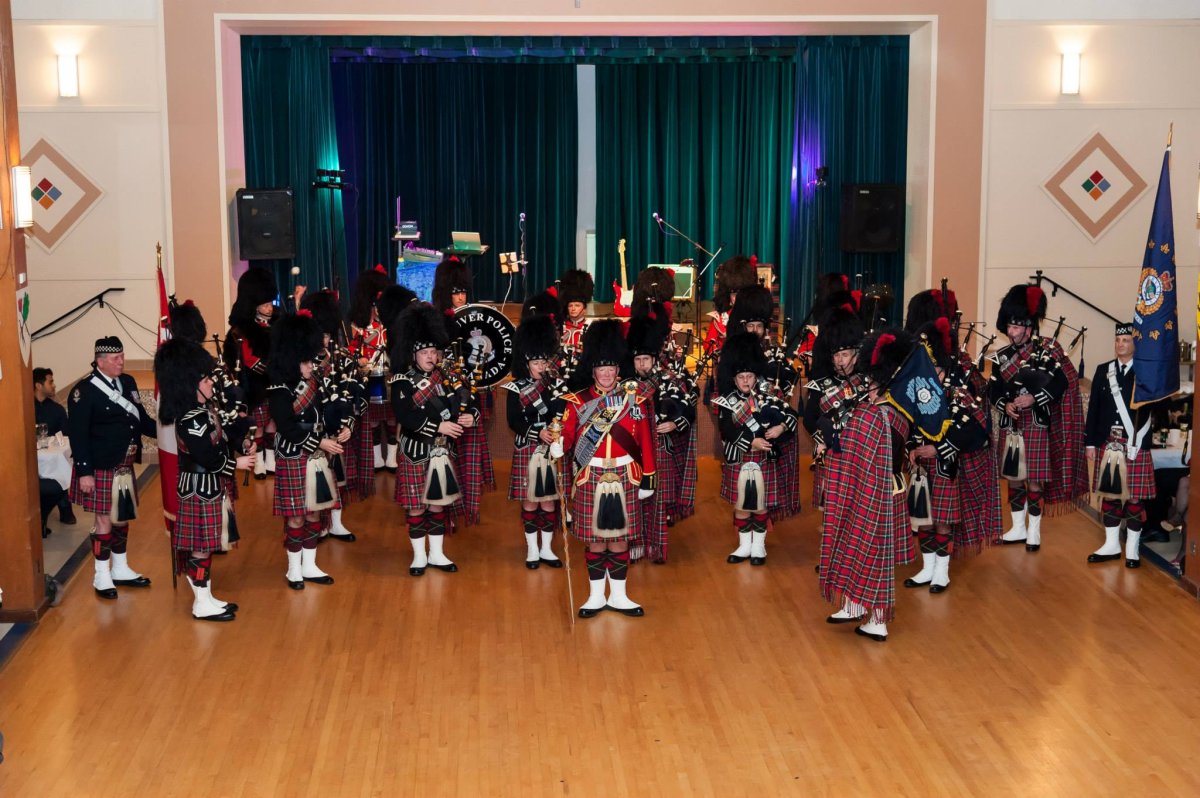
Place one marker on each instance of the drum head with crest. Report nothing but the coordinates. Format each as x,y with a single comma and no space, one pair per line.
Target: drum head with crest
485,336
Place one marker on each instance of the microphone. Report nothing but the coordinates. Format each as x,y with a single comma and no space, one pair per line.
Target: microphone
522,216
656,217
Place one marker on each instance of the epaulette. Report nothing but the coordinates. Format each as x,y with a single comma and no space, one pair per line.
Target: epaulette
572,398
279,386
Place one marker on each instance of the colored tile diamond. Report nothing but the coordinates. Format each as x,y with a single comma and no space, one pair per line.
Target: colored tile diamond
1096,193
46,202
1104,186
1088,185
44,184
54,193
1097,177
38,194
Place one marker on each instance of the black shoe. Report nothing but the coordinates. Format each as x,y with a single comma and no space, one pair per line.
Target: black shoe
1133,563
1103,557
260,476
141,581
758,560
586,613
659,561
633,612
319,580
1157,536
67,517
939,588
295,585
1032,546
1004,542
858,630
416,571
225,616
555,563
109,593
231,607
344,538
532,564
450,569
45,532
670,521
852,619
910,582
734,559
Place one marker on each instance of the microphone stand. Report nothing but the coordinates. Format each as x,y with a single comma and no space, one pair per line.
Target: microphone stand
521,262
695,292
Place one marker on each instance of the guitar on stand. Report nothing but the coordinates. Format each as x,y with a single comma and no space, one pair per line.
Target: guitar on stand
624,296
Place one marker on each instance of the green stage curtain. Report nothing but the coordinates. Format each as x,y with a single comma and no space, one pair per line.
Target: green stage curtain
853,119
466,146
708,146
289,135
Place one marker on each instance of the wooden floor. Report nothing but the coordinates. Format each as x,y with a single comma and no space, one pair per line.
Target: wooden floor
1033,675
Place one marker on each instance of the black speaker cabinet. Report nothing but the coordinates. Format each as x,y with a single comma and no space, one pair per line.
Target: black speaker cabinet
266,224
872,217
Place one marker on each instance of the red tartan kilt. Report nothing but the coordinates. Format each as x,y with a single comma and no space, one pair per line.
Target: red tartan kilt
1037,449
410,485
360,449
979,492
946,504
198,523
380,413
261,415
583,501
100,499
683,502
770,470
290,475
518,481
666,471
818,473
350,466
1139,473
788,481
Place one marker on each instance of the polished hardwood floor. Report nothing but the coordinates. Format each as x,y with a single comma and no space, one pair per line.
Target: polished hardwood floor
1033,675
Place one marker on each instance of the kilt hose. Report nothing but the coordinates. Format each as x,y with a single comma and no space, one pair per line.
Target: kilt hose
290,488
583,500
100,500
198,523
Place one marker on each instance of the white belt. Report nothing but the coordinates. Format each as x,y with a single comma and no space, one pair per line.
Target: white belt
611,462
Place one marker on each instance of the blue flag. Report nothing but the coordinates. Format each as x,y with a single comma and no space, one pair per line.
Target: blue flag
917,392
1156,316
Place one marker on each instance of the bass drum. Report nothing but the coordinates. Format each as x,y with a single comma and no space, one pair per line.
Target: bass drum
484,336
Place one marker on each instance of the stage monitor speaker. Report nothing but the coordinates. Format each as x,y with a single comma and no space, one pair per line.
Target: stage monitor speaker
872,217
266,224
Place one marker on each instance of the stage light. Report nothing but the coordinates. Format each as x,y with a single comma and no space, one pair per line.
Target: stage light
22,190
1069,78
68,75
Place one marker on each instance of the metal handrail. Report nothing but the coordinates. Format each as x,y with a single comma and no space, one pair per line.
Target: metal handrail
97,299
1039,277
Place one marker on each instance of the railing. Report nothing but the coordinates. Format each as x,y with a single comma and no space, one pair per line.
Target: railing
79,311
1039,277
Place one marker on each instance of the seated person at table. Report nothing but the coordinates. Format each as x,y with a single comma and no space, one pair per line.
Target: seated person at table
49,412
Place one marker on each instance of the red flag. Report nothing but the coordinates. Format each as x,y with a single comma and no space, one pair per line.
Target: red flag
168,450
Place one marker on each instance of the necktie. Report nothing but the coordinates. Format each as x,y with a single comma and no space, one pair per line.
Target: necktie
1124,369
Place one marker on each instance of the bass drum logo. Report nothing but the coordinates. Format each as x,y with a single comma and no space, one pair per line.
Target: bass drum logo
484,337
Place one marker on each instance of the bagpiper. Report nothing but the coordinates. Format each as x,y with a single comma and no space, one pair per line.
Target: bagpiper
534,399
369,344
606,429
865,534
1035,387
575,291
248,351
304,484
205,521
105,422
834,378
752,421
732,276
1116,436
432,421
646,337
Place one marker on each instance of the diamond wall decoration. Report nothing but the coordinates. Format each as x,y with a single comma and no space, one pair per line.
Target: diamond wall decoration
1095,186
62,194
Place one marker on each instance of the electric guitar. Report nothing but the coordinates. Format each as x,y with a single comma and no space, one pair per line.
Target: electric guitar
621,304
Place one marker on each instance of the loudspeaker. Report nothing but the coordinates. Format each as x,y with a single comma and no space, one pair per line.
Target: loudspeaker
266,224
872,217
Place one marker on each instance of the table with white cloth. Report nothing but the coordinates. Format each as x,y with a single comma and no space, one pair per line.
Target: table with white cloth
54,462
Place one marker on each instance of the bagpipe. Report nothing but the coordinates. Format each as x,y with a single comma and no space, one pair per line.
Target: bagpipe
229,398
836,405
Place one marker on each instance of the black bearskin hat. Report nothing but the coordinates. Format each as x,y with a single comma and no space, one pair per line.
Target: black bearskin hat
1024,305
392,302
883,353
654,285
830,283
179,365
451,275
647,333
840,328
732,276
754,303
575,285
536,339
742,352
326,312
187,322
929,305
367,291
603,345
295,338
419,326
543,303
255,287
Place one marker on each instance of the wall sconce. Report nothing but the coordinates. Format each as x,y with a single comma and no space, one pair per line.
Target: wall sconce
22,190
68,75
1069,79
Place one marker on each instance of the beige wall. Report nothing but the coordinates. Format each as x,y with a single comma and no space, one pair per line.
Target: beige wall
205,153
1137,78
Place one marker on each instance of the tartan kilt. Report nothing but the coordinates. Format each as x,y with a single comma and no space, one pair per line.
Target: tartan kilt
818,498
651,542
770,471
979,494
290,475
198,523
583,499
945,502
666,470
361,451
410,485
261,417
684,458
1037,449
380,413
473,464
100,500
788,466
350,466
519,478
1139,474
